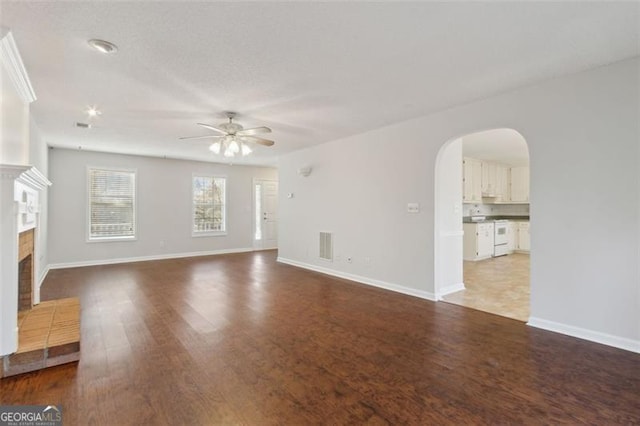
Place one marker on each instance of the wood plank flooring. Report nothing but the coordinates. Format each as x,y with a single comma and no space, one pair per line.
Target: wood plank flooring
499,285
241,339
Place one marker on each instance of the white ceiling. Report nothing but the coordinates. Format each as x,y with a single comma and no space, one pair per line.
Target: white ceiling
504,146
313,72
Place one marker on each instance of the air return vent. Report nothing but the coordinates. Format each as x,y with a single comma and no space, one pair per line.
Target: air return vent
326,246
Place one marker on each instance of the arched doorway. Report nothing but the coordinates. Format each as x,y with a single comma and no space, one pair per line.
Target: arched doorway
482,223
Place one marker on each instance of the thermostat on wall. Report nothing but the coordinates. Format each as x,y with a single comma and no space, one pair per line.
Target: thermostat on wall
413,208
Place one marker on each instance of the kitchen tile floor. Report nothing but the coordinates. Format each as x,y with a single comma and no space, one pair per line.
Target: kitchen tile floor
498,285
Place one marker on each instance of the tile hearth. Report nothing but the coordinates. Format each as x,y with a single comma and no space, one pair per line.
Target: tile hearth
48,335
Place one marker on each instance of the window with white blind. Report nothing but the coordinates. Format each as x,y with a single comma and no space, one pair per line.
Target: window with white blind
112,204
209,209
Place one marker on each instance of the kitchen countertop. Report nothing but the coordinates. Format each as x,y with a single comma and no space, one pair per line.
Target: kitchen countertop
467,219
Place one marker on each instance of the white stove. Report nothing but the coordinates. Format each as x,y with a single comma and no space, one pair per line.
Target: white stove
500,238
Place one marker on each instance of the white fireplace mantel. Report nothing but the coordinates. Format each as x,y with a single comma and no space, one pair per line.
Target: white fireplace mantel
28,179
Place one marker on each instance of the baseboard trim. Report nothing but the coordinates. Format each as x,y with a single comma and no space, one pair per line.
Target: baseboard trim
43,275
145,258
583,333
450,289
360,279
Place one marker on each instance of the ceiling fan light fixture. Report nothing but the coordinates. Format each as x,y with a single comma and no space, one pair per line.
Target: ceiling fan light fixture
215,148
233,146
233,138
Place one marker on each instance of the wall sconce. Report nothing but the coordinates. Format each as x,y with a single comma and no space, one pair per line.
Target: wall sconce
305,171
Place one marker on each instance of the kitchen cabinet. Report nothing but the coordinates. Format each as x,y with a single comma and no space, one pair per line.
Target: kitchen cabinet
471,180
512,236
524,237
478,240
489,179
502,184
520,184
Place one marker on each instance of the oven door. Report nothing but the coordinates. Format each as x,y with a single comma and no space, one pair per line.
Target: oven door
500,235
500,250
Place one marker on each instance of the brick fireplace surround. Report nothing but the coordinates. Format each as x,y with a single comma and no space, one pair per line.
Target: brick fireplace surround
25,270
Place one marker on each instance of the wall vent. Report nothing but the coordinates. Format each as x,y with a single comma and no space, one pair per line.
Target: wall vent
326,246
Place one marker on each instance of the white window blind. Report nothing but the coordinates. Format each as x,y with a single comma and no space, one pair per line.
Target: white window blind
209,216
112,195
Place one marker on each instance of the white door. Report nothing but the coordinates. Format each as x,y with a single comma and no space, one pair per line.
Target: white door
265,208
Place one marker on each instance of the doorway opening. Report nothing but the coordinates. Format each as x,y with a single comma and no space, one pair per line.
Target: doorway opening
265,214
482,223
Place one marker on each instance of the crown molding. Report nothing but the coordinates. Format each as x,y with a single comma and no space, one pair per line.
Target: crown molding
12,61
27,175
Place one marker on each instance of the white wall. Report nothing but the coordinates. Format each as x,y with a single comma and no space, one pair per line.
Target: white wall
448,247
14,123
39,158
163,207
583,137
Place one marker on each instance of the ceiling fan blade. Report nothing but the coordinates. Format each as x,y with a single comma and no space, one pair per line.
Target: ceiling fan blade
253,131
259,141
210,127
201,137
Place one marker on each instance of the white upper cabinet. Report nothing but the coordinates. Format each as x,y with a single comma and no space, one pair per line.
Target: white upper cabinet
487,182
519,184
489,179
503,192
471,180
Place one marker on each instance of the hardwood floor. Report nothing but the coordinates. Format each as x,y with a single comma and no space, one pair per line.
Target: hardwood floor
240,339
499,285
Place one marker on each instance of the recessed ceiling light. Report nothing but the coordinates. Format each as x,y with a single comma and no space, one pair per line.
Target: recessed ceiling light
93,111
103,46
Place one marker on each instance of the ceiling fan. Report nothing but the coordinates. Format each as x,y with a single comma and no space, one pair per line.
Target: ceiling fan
233,138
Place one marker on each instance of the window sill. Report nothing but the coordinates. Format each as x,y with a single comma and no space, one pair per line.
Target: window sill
111,239
209,234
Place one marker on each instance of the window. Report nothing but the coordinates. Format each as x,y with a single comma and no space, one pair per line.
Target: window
209,216
112,200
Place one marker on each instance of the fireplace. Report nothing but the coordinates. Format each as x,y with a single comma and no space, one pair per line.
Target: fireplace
33,335
20,188
25,269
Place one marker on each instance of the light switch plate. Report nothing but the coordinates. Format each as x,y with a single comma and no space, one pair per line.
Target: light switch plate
413,208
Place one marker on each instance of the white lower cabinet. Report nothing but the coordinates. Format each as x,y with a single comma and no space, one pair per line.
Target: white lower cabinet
478,240
524,237
512,236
